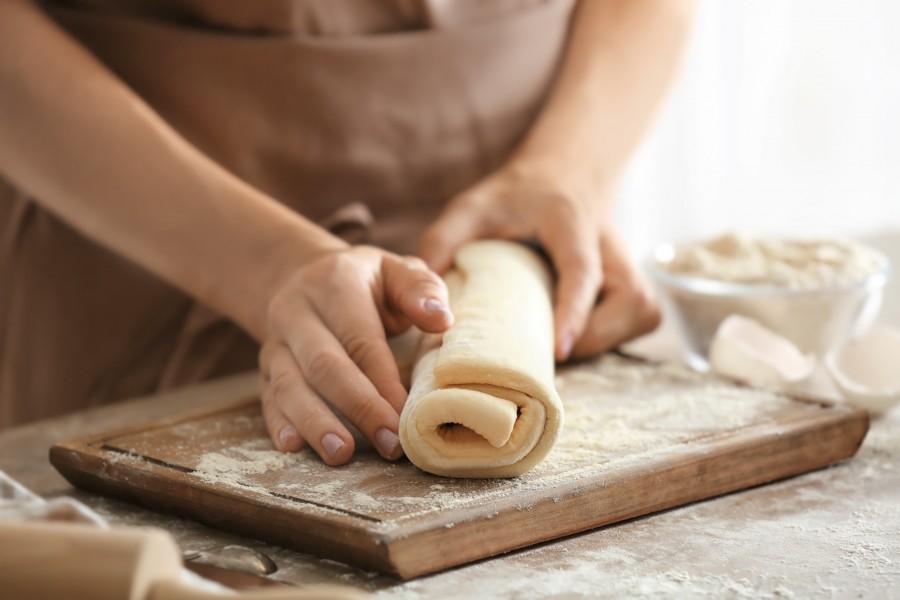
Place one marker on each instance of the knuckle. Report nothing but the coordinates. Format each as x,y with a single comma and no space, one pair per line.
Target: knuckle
361,347
281,385
567,204
650,314
415,263
280,310
341,261
584,288
566,207
274,420
583,264
424,283
364,410
467,201
267,401
647,312
573,267
436,236
327,274
321,364
317,420
330,273
593,274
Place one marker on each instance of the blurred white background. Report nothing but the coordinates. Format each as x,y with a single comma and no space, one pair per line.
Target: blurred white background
784,120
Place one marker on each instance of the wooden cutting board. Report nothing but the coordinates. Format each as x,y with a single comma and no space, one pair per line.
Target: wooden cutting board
639,438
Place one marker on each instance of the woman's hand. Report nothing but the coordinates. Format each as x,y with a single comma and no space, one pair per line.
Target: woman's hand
326,350
601,298
554,189
626,307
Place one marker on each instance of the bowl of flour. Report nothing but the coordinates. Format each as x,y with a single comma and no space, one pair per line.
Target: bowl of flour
815,292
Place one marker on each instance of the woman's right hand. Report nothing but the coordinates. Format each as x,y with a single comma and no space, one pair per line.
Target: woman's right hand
326,350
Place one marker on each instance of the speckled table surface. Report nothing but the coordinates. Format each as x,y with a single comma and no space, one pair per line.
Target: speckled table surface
833,533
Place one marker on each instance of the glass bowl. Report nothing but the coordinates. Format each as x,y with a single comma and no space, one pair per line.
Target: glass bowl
816,320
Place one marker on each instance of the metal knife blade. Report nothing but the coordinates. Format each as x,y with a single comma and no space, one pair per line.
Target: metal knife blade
238,580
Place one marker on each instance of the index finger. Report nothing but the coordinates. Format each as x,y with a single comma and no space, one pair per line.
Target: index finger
363,338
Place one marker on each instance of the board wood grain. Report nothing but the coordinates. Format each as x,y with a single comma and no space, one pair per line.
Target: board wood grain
639,437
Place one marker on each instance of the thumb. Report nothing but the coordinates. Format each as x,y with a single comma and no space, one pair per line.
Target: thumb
417,293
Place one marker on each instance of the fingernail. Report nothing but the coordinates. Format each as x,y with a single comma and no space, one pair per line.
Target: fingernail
332,444
288,437
388,443
565,345
433,305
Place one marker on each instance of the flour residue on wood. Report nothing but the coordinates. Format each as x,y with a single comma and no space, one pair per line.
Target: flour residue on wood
231,466
617,411
625,408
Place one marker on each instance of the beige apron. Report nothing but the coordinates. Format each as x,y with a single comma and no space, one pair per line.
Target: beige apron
341,109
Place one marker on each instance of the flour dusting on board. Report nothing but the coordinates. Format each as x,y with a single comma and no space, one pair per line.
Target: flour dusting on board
617,412
648,407
234,464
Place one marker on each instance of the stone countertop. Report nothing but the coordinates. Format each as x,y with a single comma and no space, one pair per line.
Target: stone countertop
833,533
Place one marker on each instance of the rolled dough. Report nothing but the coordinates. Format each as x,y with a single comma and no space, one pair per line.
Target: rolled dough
482,401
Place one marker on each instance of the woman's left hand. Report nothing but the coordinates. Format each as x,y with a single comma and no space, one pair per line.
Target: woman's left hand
601,298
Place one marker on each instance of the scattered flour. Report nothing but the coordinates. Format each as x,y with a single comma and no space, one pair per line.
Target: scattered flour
653,407
234,466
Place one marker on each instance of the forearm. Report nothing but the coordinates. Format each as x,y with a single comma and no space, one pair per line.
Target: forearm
621,58
98,157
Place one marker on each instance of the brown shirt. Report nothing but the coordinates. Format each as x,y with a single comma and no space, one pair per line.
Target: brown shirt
323,104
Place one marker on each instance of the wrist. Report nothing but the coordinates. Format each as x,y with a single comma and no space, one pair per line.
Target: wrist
570,178
266,264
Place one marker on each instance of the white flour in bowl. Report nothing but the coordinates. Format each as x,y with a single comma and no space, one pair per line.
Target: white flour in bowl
815,293
796,264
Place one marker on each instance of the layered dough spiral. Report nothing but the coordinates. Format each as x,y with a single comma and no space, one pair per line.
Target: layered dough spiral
482,401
